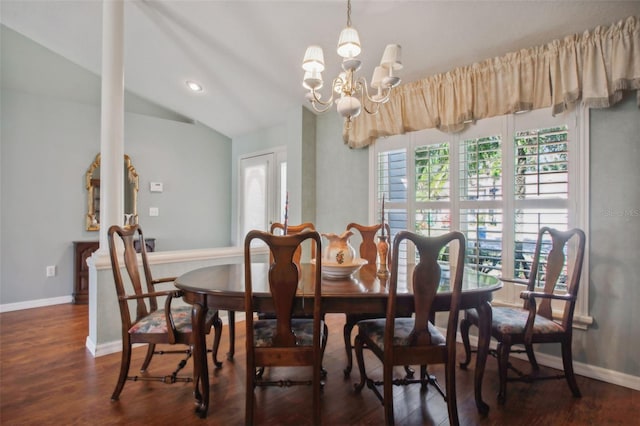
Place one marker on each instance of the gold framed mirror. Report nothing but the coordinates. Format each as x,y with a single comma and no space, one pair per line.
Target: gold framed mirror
92,179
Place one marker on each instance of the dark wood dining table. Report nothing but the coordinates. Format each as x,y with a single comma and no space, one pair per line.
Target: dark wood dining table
221,287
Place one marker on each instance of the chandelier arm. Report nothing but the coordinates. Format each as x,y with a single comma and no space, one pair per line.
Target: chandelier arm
316,99
384,99
373,111
318,109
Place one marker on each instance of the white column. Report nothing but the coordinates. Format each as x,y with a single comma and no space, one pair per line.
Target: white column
112,119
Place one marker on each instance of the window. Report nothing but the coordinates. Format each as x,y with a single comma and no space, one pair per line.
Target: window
498,182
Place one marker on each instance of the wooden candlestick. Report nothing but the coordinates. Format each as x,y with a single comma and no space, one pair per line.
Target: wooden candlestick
383,250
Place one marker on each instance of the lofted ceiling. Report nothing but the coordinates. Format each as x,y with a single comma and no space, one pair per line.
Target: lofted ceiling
247,54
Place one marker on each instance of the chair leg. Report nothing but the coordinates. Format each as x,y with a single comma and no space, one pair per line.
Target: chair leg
217,327
424,381
151,348
346,332
360,360
124,370
231,315
323,372
249,396
387,378
317,387
532,359
465,324
567,362
503,362
452,405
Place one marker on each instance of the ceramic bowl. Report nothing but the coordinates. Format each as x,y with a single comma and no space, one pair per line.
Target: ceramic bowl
337,271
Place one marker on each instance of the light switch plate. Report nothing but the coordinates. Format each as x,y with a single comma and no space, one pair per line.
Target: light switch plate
154,211
155,186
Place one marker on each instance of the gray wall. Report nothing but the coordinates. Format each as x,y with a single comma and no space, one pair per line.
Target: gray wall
50,134
614,240
342,178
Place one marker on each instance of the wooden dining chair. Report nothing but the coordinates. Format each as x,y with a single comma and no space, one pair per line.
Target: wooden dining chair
415,340
142,320
368,250
284,340
533,322
277,228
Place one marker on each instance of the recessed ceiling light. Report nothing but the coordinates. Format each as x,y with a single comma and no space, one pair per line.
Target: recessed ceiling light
194,86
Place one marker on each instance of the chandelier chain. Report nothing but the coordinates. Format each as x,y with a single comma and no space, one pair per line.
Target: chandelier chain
348,13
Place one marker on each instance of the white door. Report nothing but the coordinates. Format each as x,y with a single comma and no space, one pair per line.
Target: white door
261,183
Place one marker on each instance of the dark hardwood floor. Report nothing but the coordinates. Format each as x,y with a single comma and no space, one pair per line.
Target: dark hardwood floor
48,377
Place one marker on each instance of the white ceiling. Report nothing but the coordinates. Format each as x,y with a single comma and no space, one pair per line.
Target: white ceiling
247,54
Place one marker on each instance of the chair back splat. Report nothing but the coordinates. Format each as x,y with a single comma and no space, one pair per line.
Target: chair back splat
557,260
416,341
286,339
277,228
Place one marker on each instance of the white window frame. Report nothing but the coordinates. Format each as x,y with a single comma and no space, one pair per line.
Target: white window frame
578,208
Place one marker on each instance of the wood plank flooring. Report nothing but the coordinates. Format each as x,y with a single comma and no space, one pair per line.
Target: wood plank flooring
48,377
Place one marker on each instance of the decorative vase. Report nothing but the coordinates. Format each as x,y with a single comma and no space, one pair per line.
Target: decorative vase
339,249
383,250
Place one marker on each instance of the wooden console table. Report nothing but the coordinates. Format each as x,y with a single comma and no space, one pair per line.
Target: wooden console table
82,251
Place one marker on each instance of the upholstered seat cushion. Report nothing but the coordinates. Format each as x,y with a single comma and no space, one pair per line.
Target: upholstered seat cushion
265,330
513,321
374,330
156,322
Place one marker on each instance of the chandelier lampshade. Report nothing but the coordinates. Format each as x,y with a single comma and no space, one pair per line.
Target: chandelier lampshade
349,43
391,57
313,59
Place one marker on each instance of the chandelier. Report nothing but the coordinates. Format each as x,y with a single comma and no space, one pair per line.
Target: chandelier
351,93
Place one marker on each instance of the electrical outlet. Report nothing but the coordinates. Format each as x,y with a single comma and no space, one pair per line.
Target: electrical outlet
51,271
154,211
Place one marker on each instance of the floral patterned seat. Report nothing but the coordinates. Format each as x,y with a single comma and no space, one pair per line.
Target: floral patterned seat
156,321
374,330
513,321
265,330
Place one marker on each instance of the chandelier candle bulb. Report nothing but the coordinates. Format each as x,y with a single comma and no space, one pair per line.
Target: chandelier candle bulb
312,80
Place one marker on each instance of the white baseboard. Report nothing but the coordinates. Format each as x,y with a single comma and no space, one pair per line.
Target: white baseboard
116,345
586,370
8,307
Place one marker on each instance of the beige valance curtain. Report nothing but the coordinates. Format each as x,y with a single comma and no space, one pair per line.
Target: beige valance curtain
595,66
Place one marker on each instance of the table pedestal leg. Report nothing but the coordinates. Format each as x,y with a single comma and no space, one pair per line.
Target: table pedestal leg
484,337
200,367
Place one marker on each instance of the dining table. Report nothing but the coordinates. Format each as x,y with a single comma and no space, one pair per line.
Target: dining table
221,287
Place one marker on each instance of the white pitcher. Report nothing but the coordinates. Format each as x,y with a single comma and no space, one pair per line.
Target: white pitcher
339,251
